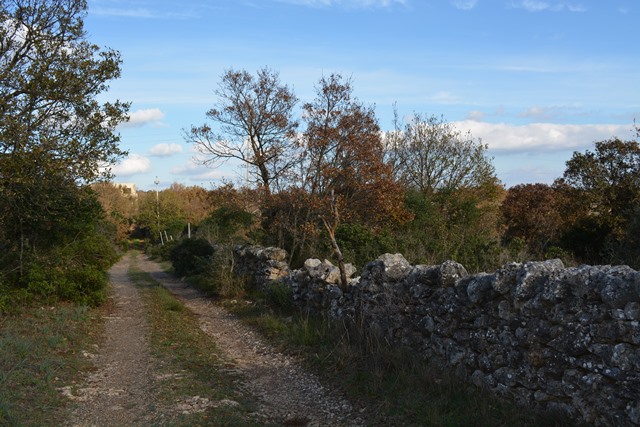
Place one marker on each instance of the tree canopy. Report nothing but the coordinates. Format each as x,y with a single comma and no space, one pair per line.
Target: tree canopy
253,123
344,155
430,154
608,177
533,214
603,189
50,76
55,136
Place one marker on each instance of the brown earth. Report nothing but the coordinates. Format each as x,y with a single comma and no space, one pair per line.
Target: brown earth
120,392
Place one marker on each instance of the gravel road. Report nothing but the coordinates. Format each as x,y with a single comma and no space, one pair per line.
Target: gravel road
121,390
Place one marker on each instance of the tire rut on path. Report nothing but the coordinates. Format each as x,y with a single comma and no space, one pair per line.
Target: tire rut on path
288,394
120,392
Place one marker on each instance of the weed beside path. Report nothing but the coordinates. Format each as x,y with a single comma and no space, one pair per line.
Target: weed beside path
287,394
40,351
153,366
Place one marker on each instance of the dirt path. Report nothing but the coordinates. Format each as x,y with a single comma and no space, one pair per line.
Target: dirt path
288,393
121,391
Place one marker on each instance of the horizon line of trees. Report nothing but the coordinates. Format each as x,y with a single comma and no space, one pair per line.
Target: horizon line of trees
326,181
332,184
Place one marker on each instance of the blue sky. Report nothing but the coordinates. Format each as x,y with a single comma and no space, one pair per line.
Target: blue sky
535,79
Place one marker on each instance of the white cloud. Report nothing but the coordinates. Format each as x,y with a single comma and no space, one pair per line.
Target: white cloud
199,172
535,6
540,137
576,8
464,4
444,97
132,165
540,113
476,115
549,5
140,118
529,174
165,150
352,4
128,13
141,12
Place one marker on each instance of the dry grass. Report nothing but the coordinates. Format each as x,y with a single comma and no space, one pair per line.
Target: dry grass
393,386
41,351
188,361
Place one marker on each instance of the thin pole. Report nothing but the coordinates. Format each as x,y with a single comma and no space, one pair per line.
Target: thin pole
158,208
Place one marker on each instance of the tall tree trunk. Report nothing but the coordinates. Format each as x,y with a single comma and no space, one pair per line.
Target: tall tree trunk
331,229
340,259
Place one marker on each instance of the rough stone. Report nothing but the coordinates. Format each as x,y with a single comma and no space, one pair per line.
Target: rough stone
632,311
479,287
544,335
532,276
395,266
450,272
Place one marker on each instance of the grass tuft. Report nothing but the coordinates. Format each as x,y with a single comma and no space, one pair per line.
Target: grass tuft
188,361
394,387
41,351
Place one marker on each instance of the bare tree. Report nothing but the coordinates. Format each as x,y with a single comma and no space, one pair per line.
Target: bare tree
343,173
253,122
430,154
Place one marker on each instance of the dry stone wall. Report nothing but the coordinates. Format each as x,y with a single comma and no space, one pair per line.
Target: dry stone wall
546,336
261,266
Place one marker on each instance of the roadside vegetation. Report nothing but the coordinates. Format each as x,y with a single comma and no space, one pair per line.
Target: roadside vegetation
188,362
395,386
322,180
42,350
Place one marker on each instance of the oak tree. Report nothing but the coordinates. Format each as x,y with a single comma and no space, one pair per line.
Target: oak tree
253,123
603,188
534,214
430,154
344,155
50,76
55,135
608,177
342,174
119,206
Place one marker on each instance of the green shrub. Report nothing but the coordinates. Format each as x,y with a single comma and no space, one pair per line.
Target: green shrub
73,271
86,286
161,252
227,224
82,284
360,244
218,279
190,256
279,296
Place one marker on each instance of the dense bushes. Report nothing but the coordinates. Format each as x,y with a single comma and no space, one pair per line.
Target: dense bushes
75,271
64,255
56,136
482,227
208,269
590,214
190,256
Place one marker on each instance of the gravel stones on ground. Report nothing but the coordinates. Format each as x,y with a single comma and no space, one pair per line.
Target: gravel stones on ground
287,393
121,389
